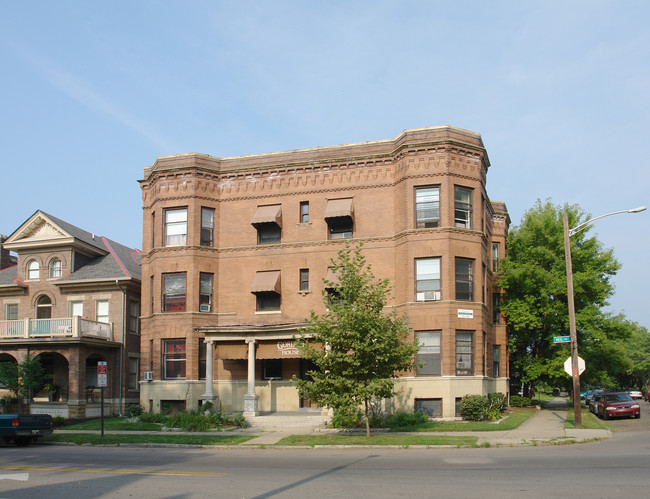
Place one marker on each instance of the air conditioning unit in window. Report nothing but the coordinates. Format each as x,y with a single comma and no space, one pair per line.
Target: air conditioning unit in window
428,296
204,308
148,375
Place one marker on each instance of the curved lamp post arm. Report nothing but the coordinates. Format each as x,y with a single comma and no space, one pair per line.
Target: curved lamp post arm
578,228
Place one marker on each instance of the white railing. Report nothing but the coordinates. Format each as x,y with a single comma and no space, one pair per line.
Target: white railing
74,327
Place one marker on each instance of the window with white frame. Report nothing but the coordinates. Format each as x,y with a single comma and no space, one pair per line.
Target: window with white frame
428,357
427,207
134,373
174,292
464,353
427,279
174,357
463,207
495,257
496,364
12,311
176,227
101,311
56,268
76,308
304,280
304,212
33,271
207,226
134,317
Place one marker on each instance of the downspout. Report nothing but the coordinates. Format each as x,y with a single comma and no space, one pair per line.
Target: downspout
117,283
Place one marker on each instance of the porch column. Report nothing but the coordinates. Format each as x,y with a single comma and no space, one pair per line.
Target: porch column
209,372
250,399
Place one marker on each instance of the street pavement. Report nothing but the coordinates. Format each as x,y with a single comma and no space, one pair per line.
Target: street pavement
544,427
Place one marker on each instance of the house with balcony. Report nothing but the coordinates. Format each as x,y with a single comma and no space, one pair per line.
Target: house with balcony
72,299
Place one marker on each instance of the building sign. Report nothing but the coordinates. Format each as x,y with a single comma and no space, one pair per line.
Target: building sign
465,314
287,348
102,374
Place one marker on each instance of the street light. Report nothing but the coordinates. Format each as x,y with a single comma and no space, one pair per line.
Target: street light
577,413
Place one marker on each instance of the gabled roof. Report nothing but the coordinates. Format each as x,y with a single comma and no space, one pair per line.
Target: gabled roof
107,259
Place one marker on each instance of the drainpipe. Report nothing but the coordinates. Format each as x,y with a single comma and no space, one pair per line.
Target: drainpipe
117,283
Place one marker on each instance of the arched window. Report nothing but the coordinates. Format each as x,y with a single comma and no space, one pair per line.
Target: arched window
56,269
43,307
33,271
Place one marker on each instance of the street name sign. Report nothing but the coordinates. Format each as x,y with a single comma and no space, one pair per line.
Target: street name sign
561,339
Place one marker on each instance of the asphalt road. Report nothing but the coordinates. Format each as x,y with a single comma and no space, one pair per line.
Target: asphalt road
613,468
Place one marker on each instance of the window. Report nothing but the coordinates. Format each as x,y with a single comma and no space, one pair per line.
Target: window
76,308
174,292
12,311
266,288
339,217
205,292
427,207
268,222
428,357
134,373
33,271
495,362
464,280
203,355
271,368
304,212
304,279
464,353
267,301
431,407
495,257
134,317
101,309
43,307
56,269
463,207
174,359
496,308
457,401
427,279
268,234
176,227
207,227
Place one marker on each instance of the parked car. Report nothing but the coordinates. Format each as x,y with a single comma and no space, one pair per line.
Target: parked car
647,394
636,394
590,396
593,401
613,405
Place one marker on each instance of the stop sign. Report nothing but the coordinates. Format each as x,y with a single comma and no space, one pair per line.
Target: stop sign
581,366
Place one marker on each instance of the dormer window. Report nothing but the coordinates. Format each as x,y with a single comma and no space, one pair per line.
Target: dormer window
33,271
56,269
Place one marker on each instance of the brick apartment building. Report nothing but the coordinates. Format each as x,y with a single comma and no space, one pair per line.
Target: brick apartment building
235,251
72,299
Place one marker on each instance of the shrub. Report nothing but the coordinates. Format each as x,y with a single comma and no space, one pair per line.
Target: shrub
473,407
188,421
150,417
404,419
518,401
133,410
346,417
58,421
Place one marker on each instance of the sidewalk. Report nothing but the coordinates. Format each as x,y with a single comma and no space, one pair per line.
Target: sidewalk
544,427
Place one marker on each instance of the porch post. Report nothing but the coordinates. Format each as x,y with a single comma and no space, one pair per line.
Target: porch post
250,399
209,372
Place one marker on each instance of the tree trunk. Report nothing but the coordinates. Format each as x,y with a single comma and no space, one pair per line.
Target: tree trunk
367,420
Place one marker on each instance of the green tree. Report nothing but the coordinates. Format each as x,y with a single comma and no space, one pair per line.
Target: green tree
533,276
356,346
637,352
23,379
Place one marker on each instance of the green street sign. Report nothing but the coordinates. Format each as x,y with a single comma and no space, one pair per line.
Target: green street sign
561,339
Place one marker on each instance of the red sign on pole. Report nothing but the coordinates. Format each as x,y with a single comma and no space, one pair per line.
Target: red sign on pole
102,374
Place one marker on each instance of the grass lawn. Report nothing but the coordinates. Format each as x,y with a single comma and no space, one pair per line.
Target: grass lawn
515,418
383,439
87,438
589,421
113,424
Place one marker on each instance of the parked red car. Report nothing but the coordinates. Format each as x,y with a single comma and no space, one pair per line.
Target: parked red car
647,395
615,405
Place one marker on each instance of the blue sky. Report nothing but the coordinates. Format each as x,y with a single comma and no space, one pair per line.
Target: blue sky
94,91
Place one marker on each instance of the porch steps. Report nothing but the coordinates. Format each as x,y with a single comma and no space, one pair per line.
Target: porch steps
287,420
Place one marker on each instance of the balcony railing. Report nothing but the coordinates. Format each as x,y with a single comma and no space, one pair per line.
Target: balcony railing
70,327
